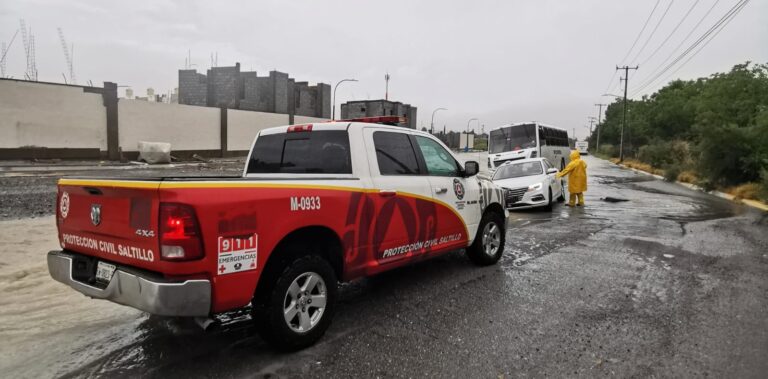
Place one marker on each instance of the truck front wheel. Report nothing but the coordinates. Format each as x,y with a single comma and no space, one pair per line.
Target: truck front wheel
301,305
489,242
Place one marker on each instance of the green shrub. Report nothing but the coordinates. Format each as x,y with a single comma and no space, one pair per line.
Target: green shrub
764,185
672,171
608,150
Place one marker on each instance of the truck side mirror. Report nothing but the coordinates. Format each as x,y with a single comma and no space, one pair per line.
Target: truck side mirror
471,168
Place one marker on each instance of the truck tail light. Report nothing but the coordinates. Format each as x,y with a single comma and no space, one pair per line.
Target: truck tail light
179,233
300,128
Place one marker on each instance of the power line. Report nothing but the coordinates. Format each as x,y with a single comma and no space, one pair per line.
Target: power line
671,33
711,37
721,22
623,60
676,49
664,15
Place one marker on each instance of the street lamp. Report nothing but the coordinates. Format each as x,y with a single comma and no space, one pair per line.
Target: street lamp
432,124
466,148
333,112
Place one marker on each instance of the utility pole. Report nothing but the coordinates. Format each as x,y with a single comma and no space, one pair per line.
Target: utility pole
599,115
591,121
626,84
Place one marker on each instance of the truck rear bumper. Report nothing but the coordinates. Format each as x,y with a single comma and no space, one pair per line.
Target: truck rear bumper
183,298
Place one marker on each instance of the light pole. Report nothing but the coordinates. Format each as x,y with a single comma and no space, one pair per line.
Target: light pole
466,147
432,124
333,112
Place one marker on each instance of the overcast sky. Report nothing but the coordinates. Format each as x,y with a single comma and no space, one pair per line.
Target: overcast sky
499,61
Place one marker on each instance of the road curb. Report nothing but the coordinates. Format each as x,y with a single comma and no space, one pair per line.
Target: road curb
751,203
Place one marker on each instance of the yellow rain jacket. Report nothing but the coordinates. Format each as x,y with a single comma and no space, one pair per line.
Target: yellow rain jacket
577,171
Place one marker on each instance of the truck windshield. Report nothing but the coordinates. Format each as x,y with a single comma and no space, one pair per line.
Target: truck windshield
517,170
313,152
512,138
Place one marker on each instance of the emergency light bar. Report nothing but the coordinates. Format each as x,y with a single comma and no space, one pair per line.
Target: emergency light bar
386,120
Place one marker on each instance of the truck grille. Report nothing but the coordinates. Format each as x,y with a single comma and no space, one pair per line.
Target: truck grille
514,195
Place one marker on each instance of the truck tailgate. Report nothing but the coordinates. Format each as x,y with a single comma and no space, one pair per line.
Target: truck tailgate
114,220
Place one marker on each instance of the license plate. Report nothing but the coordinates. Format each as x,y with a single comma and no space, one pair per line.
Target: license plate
104,271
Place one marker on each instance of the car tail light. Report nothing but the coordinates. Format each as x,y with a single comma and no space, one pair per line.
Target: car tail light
300,128
179,233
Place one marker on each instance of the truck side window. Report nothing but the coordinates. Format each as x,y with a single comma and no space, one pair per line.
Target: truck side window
395,154
439,162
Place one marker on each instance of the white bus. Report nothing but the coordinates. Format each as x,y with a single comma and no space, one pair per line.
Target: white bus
582,147
527,140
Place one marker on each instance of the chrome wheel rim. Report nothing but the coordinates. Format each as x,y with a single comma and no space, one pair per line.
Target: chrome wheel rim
491,239
304,302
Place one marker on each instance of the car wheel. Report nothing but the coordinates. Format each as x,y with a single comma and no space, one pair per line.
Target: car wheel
301,305
488,245
561,198
548,207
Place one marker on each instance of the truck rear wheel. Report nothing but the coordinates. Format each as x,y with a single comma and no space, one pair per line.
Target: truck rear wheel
301,305
489,242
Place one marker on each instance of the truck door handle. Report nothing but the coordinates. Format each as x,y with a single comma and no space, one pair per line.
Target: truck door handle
441,190
387,193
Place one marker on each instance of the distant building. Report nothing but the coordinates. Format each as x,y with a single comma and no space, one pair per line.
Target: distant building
371,108
129,93
229,87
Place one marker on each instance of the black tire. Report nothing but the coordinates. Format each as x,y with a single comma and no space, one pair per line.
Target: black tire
271,321
548,207
476,252
561,198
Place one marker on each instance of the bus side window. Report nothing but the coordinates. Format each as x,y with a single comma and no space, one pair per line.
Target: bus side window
543,136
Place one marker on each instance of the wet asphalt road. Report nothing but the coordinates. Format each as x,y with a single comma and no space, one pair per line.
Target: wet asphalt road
672,283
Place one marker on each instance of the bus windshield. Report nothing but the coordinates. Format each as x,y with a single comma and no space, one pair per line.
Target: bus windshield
512,138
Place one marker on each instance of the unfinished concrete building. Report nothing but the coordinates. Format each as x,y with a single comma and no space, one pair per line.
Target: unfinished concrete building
229,87
371,108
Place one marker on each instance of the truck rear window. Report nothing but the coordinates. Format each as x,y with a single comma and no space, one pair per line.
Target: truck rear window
314,152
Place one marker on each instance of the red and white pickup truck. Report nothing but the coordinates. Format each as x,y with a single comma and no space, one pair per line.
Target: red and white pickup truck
316,204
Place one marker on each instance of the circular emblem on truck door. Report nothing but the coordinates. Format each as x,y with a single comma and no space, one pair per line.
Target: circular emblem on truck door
458,189
64,205
95,214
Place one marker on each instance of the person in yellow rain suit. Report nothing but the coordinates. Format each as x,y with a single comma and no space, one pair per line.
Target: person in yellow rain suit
577,178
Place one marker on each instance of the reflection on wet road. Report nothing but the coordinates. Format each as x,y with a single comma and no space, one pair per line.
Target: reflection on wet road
644,287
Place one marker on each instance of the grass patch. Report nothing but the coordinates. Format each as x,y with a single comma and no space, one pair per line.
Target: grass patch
749,191
633,163
688,176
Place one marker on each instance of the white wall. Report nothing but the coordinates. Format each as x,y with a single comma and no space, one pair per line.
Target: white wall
307,120
56,116
185,127
242,126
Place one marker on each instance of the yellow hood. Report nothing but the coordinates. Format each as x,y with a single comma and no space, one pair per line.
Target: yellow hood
575,155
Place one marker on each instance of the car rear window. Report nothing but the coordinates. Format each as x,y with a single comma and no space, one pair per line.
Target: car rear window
313,152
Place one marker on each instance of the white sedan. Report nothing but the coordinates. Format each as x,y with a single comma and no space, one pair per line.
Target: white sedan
529,183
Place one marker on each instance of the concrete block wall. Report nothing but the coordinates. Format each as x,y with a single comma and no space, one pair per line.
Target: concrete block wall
230,88
193,88
225,86
242,127
185,127
47,120
38,115
373,108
